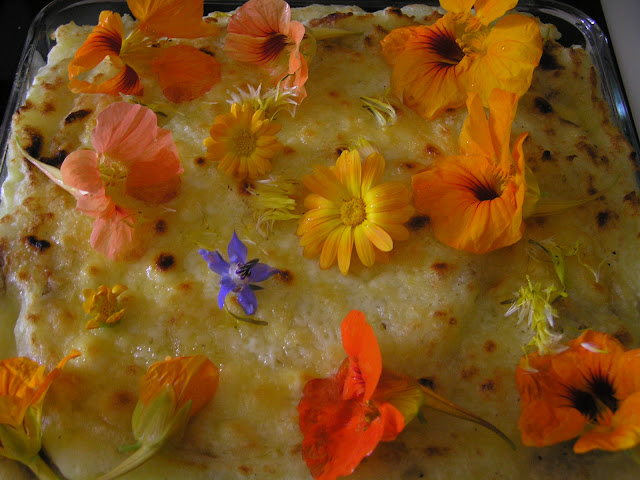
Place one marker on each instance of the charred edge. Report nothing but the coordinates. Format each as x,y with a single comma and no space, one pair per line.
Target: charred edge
165,261
418,222
37,244
77,115
56,160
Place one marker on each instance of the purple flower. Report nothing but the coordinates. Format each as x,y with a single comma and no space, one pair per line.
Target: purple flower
238,274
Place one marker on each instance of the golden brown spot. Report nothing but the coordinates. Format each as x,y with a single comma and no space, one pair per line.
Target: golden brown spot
28,105
542,105
34,148
411,166
380,30
284,276
295,450
165,261
488,386
77,115
604,217
245,469
48,107
490,346
37,244
122,399
200,161
32,318
453,321
468,372
418,222
633,200
56,160
132,370
160,227
369,41
434,451
330,19
185,286
395,11
287,150
441,268
624,336
334,94
93,270
439,313
431,150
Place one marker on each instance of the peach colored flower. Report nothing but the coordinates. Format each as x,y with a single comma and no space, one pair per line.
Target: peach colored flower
261,33
132,157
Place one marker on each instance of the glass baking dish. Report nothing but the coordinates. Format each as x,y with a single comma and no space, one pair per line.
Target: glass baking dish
576,29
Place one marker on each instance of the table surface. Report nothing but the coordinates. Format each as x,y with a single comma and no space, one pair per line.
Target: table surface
16,16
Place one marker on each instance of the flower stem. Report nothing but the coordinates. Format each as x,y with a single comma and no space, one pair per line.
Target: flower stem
134,461
40,468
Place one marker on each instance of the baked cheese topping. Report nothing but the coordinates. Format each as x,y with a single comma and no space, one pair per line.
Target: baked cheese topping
438,313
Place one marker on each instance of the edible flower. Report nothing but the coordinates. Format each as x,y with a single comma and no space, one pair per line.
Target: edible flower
535,304
23,386
435,66
349,206
477,200
271,200
238,275
132,158
261,33
344,417
243,142
103,305
170,393
183,72
591,390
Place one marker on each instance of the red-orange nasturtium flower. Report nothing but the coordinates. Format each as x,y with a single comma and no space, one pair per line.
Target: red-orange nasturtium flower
183,72
261,33
132,158
23,386
344,417
170,393
477,200
435,66
590,390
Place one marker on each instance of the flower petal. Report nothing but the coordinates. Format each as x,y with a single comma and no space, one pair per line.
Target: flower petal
172,18
185,73
348,171
377,236
237,251
215,261
345,247
489,10
261,272
372,170
226,286
247,300
365,361
113,233
80,171
364,249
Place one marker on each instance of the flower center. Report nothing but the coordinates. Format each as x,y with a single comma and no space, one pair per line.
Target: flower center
273,46
596,399
243,270
443,43
352,212
244,144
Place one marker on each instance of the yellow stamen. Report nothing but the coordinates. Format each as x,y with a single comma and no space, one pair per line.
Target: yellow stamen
244,144
352,212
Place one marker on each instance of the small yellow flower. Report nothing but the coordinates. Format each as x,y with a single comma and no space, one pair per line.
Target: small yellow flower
103,305
243,141
349,207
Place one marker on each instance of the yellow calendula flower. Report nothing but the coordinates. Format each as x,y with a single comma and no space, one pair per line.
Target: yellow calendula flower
349,207
243,142
103,305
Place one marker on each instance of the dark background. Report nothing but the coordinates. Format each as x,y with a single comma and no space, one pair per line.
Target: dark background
16,16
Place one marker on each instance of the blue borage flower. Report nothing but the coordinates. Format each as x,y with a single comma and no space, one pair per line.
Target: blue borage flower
238,274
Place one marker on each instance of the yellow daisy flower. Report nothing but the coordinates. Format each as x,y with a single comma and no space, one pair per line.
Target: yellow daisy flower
348,207
103,305
243,142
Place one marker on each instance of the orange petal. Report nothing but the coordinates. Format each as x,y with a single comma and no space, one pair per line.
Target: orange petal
185,73
172,18
457,6
372,170
475,136
345,247
365,361
348,170
427,71
364,249
193,379
338,434
513,49
489,10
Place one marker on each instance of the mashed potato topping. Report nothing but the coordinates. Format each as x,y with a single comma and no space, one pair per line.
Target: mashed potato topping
438,313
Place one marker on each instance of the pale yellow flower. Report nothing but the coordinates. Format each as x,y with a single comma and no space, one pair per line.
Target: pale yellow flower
103,305
349,207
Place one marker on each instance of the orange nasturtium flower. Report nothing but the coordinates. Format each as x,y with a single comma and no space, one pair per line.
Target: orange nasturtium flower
590,390
243,142
349,206
343,418
132,158
435,66
23,386
261,33
183,72
477,201
170,393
